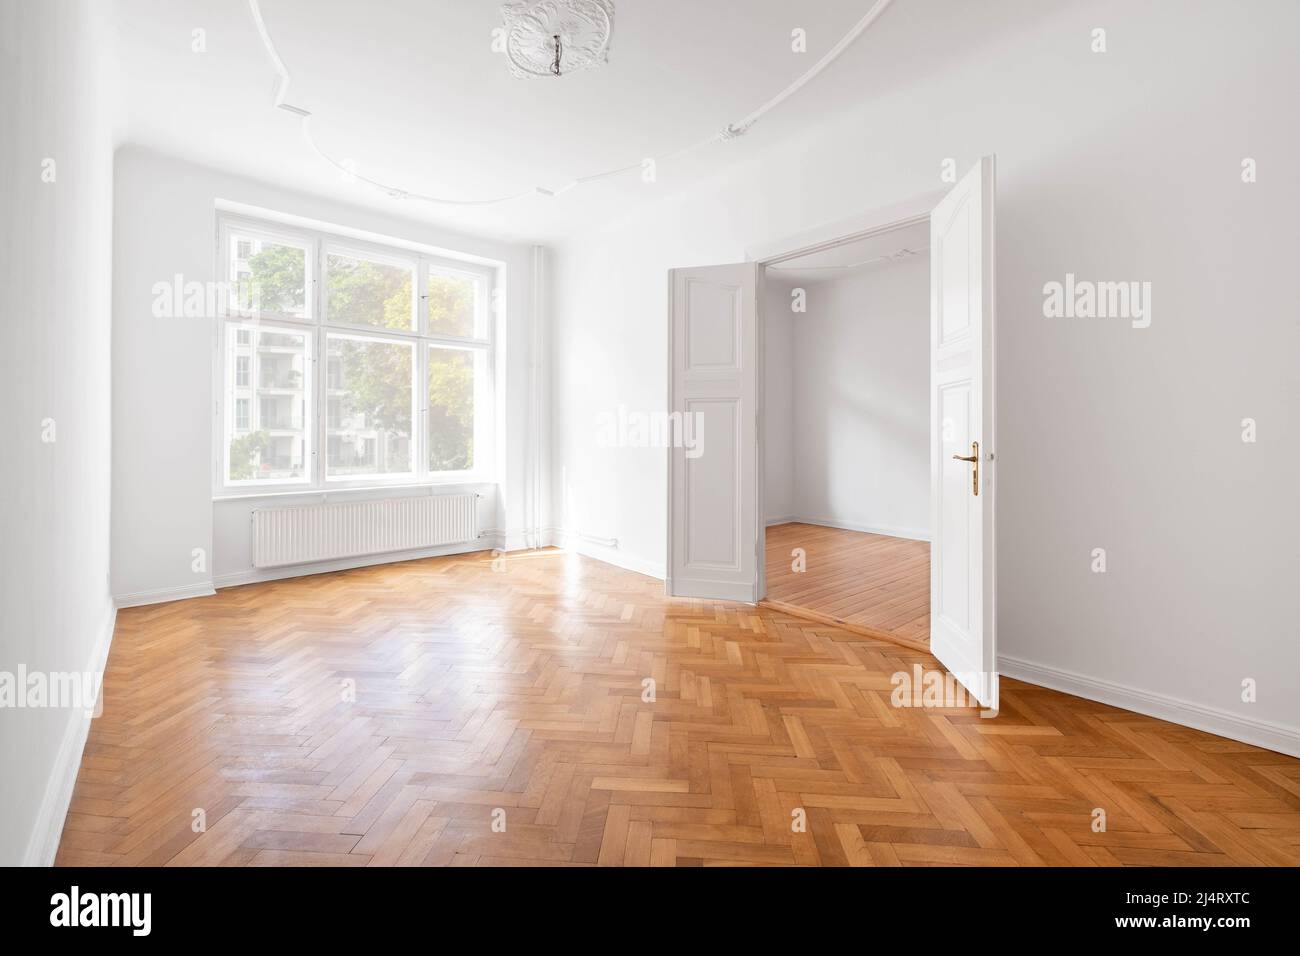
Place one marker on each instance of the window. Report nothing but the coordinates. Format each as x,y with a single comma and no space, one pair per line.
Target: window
456,306
269,276
453,374
369,425
404,345
369,290
276,445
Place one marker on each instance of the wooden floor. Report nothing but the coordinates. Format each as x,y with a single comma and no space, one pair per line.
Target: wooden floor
514,696
870,583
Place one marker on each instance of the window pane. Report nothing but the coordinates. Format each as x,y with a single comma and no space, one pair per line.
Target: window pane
365,292
370,406
455,308
452,375
269,424
268,278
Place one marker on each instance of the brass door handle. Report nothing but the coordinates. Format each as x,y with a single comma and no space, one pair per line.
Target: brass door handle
974,459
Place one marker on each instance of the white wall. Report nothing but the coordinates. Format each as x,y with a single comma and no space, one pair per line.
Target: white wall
858,366
56,613
778,402
163,408
1116,166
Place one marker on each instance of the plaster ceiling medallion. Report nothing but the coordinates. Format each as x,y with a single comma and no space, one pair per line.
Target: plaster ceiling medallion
554,37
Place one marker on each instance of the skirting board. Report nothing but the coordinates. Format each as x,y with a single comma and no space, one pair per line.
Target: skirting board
914,534
619,558
163,595
1257,733
712,591
43,845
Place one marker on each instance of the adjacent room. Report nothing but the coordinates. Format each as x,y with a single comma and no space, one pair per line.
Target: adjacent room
613,433
847,466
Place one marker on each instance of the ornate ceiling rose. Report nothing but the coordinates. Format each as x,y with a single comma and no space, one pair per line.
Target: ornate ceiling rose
554,37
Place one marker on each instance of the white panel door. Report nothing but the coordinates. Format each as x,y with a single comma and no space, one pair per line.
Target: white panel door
713,527
961,434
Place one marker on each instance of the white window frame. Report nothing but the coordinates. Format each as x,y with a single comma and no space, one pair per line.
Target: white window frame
318,326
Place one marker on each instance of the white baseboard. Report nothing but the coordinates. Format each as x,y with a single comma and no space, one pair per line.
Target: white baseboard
486,542
587,546
1257,733
526,539
713,591
892,531
43,845
162,595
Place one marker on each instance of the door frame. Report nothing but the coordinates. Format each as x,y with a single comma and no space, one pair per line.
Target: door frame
909,212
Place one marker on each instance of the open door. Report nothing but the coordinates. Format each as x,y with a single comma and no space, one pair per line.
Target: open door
962,485
714,532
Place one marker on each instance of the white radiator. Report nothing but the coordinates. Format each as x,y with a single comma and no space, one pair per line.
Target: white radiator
331,531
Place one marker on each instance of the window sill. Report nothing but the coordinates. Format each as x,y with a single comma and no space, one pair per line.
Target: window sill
328,494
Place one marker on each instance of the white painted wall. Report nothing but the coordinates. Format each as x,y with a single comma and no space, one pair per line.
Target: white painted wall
56,613
862,406
163,408
1117,166
778,402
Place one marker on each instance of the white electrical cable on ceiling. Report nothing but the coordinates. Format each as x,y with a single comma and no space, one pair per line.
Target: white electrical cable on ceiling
729,132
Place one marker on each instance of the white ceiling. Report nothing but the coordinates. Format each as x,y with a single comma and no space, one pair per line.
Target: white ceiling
412,94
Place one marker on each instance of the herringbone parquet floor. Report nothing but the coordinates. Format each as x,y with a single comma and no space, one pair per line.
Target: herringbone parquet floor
498,718
870,584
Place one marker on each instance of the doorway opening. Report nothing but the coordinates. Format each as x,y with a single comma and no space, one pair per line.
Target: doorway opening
718,507
846,434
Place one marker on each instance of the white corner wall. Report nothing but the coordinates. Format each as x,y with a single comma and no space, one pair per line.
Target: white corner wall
56,613
858,369
1123,167
163,405
778,402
